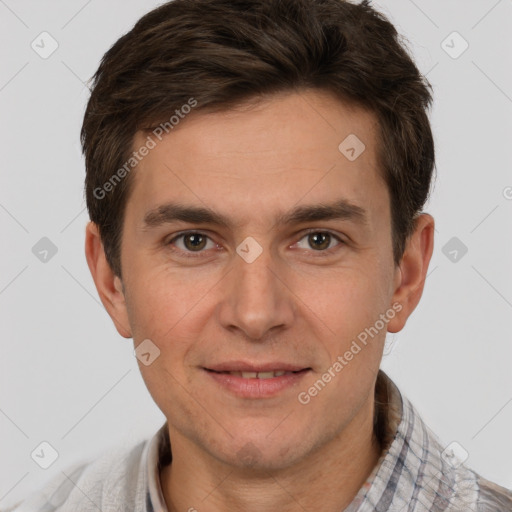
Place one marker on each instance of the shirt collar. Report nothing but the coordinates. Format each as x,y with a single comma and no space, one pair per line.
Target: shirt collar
414,473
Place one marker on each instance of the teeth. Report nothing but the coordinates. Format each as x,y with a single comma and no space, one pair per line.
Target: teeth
258,375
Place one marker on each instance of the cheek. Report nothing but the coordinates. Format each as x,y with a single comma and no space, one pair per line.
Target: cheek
346,301
166,309
173,310
169,312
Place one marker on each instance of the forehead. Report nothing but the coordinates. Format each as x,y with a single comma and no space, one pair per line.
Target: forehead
264,158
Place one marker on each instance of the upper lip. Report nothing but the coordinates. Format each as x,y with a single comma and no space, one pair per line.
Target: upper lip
243,366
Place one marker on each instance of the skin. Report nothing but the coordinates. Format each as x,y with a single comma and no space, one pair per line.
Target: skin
295,303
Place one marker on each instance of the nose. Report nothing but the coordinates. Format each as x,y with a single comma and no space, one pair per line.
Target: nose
255,298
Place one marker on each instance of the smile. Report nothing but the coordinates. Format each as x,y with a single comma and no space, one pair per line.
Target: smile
263,383
258,375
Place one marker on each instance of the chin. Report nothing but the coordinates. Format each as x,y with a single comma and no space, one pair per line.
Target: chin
260,455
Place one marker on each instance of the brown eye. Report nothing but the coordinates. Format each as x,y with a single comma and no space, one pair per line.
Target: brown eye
319,241
194,241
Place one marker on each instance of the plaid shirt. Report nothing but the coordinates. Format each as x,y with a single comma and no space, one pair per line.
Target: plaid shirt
415,473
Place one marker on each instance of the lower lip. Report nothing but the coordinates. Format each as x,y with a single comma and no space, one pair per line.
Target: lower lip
257,388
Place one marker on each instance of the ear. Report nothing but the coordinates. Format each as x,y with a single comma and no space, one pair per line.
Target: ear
411,273
109,286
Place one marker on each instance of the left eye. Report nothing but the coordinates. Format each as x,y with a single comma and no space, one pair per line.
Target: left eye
192,242
318,240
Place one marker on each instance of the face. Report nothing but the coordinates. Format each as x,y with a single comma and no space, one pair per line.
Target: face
254,254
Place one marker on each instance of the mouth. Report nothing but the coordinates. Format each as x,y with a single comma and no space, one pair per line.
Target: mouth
259,374
257,381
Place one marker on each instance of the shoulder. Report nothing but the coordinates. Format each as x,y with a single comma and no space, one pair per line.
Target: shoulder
492,497
419,468
112,482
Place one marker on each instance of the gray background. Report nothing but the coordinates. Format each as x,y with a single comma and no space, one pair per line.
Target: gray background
68,378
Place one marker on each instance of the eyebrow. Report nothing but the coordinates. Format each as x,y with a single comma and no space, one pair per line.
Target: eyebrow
173,212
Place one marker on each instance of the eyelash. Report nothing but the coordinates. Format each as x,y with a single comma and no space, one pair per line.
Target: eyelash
198,254
189,254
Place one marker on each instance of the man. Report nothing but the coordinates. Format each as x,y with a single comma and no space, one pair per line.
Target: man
256,173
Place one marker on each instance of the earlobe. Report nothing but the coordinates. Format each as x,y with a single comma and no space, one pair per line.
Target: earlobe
412,271
109,286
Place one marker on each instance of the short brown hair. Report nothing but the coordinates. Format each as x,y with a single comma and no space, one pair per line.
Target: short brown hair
220,53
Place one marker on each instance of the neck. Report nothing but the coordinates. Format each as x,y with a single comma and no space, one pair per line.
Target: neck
331,476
